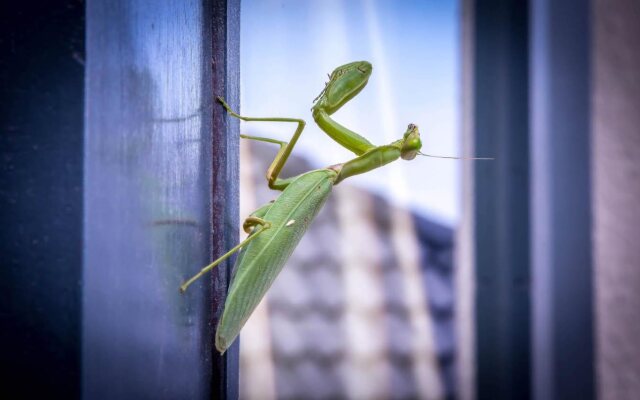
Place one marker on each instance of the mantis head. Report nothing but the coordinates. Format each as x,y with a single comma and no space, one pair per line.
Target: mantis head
344,83
410,143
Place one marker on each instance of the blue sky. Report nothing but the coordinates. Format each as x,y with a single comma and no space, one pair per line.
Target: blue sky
288,47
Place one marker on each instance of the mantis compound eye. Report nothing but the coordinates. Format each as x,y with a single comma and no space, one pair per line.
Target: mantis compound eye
411,143
365,67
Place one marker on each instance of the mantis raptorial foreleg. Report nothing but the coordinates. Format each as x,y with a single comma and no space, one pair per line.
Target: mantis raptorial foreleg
278,183
344,84
285,147
250,222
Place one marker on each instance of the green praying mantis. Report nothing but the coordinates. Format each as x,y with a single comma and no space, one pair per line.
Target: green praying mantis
276,228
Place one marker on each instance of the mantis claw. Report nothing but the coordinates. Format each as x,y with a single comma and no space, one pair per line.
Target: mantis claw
224,103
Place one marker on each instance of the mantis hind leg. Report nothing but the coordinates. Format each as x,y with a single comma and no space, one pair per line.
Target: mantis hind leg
285,147
275,182
250,223
256,218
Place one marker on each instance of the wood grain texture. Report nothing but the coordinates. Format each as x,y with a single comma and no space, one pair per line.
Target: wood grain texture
160,197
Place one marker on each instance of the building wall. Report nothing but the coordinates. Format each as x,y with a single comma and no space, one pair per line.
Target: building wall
363,309
616,191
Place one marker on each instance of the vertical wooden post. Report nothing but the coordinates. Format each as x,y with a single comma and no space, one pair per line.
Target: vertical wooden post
225,78
161,182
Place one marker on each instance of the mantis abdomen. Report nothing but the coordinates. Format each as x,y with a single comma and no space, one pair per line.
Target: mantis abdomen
263,258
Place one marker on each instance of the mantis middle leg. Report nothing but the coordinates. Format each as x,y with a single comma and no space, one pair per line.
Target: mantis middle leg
285,147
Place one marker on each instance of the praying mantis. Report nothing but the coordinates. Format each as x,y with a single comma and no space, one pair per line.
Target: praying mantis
276,228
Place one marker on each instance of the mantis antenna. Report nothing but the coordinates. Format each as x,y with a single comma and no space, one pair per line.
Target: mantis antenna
455,158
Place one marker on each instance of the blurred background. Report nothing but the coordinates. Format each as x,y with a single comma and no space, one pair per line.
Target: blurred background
414,48
120,176
365,307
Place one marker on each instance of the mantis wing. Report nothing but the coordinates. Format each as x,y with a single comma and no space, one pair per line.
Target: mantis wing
262,260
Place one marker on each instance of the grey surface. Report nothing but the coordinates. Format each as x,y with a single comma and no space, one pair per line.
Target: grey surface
616,194
500,115
561,242
149,189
